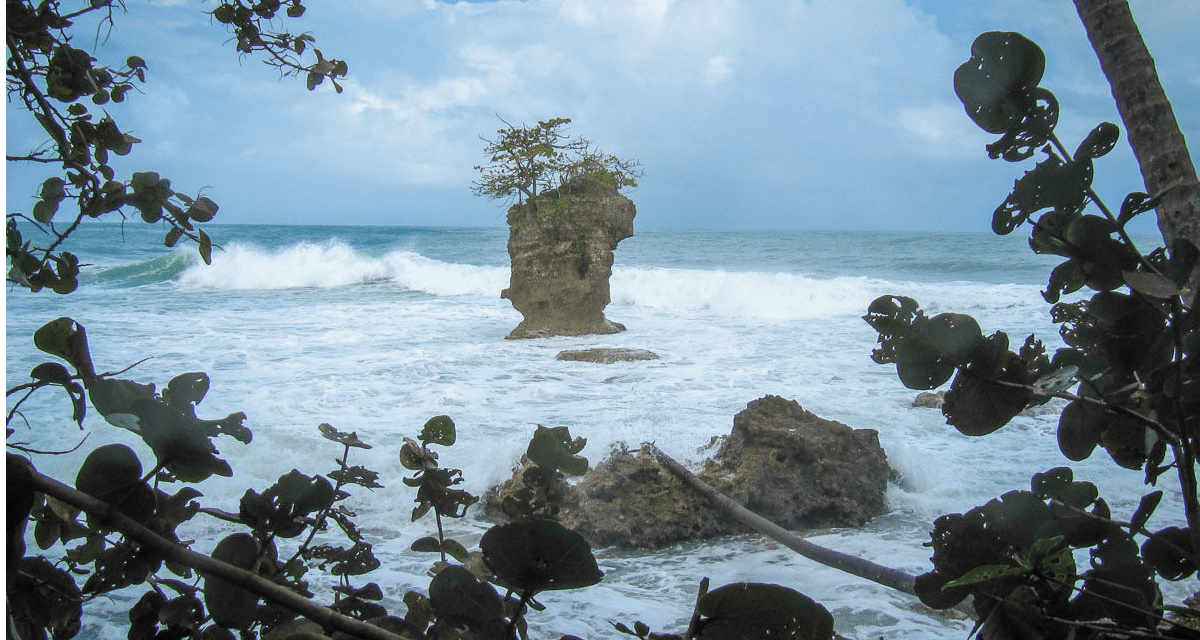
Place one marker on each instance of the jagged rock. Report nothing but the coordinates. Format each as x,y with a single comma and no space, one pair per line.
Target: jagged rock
607,356
799,470
561,246
930,399
780,461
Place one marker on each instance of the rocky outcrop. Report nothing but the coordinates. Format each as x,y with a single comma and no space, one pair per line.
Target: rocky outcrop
930,399
780,461
606,356
561,246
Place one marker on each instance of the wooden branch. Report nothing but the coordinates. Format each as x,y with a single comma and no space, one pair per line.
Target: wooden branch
207,565
880,574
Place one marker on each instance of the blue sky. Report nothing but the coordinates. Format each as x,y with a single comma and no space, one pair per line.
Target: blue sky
763,114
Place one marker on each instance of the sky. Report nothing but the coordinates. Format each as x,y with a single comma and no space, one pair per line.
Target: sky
745,114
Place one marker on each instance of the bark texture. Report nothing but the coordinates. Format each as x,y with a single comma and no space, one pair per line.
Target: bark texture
1150,123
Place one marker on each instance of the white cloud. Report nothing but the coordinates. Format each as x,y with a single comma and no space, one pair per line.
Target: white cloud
714,96
941,129
717,69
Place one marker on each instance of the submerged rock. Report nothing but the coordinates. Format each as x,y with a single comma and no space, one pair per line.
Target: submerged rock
780,461
606,356
561,246
933,400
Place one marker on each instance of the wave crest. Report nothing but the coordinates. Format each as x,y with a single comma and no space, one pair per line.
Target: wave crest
335,264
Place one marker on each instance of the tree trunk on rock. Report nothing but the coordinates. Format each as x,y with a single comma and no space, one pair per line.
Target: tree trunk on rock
1154,134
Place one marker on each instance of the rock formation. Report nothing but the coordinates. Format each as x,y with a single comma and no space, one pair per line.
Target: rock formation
606,356
561,245
780,461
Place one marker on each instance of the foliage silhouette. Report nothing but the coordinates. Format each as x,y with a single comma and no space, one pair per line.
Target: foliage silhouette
523,161
1132,355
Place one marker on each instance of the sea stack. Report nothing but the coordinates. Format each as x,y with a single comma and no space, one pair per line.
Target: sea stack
561,246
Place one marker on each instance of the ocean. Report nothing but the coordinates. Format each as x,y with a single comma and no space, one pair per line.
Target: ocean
377,329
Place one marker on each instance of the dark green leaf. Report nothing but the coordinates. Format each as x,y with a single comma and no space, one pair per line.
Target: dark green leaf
458,597
455,550
1099,142
426,545
205,247
1145,509
552,449
1079,429
755,610
538,555
230,605
347,439
1002,66
202,209
1170,552
1134,204
68,340
438,430
1151,284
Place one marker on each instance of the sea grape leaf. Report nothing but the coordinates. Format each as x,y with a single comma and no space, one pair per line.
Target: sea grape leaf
66,339
536,555
113,473
893,318
438,430
458,597
178,443
43,598
347,439
1003,67
554,449
1079,430
980,400
986,573
1170,552
920,365
757,610
1146,507
230,605
415,457
186,390
1134,204
427,544
1099,141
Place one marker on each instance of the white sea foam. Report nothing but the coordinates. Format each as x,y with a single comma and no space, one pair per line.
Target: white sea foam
333,264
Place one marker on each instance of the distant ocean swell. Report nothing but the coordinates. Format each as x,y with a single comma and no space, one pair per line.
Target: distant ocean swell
759,296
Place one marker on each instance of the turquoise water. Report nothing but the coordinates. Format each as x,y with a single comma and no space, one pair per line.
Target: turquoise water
376,329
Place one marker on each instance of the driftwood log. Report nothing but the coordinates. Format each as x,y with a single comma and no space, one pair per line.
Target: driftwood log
880,574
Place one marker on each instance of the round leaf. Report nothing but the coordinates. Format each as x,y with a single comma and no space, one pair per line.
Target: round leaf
756,610
1001,67
535,555
438,430
1100,141
230,605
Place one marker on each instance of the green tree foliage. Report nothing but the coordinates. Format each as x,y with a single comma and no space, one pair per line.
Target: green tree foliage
72,96
1129,371
524,160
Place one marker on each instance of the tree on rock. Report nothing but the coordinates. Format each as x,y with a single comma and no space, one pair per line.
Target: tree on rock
524,160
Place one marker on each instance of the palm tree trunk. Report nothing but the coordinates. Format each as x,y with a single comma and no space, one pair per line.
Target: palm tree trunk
1150,123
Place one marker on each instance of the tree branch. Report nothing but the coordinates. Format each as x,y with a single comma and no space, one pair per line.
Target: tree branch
879,574
207,565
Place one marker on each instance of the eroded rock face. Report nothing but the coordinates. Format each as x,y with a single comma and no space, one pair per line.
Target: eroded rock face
603,355
561,247
780,461
799,470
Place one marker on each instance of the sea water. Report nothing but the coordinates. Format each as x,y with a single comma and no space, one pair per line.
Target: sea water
377,329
